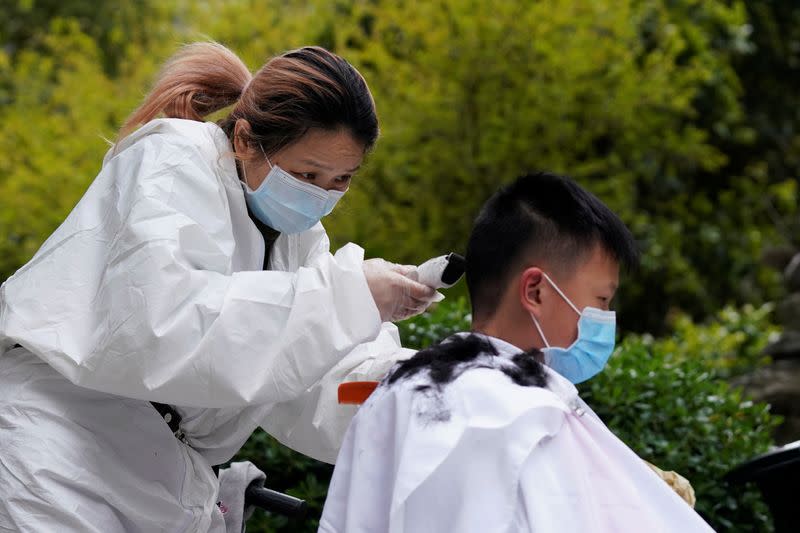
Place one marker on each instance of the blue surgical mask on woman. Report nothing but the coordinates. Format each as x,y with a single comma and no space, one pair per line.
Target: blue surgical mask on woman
590,352
287,204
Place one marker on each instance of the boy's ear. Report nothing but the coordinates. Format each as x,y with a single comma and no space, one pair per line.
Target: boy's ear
530,290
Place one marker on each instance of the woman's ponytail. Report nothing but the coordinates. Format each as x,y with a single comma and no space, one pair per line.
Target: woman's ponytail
198,80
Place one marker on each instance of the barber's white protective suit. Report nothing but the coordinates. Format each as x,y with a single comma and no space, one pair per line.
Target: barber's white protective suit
484,455
153,290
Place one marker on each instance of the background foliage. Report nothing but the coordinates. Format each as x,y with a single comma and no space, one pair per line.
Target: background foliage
682,115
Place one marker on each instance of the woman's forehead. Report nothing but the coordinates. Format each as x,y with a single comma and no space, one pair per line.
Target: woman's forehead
328,150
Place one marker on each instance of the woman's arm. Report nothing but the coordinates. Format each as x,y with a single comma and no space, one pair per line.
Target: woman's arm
315,423
135,293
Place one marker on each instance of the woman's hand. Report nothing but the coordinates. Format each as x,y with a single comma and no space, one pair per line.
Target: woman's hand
397,296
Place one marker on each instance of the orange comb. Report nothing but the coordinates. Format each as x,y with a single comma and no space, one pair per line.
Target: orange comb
356,392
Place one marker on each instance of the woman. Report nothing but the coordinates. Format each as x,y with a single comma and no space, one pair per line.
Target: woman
194,274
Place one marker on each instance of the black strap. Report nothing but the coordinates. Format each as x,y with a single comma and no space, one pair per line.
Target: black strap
170,416
268,234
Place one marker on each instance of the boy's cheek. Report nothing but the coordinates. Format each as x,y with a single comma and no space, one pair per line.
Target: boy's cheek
567,330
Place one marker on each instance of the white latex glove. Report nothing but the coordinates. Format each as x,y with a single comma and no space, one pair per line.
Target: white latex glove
397,296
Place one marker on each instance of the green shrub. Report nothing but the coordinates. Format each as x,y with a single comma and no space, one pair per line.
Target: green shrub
730,344
439,322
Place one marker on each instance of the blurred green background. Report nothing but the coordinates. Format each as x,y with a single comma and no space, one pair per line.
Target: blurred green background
682,115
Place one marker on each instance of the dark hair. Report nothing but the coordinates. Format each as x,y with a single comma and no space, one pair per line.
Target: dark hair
304,89
539,217
301,89
447,360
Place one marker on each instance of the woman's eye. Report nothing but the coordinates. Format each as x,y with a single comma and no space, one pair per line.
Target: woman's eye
343,179
307,175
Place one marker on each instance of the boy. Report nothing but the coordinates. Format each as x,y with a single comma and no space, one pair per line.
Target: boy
485,431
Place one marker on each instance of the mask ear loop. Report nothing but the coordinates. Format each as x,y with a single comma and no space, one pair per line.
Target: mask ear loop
561,293
244,172
244,176
541,333
265,156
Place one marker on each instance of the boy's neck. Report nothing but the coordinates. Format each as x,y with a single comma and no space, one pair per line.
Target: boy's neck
511,323
508,331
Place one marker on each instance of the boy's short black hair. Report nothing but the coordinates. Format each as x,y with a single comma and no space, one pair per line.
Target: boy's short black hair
540,217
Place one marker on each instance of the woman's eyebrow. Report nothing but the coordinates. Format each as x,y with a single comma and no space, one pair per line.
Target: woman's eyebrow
325,167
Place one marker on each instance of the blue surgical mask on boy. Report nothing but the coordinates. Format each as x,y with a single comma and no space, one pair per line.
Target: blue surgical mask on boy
590,352
287,204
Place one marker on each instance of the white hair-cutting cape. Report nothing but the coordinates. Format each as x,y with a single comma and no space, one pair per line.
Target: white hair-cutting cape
153,290
488,456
